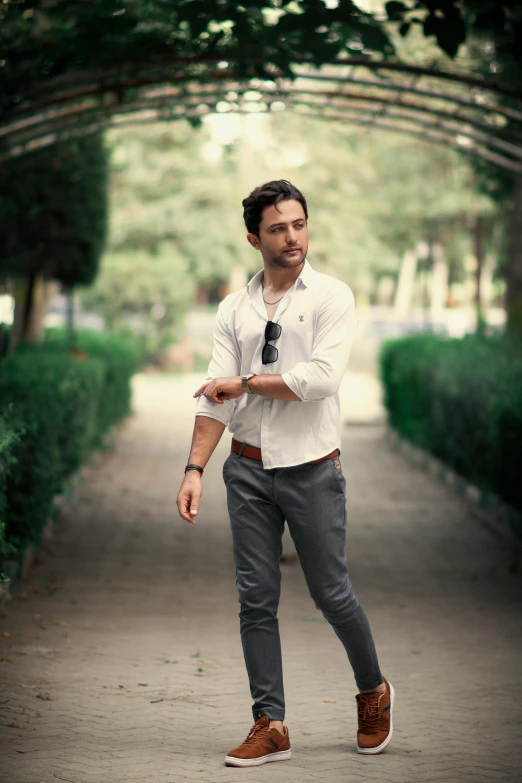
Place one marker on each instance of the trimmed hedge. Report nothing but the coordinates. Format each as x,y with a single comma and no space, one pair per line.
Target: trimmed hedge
61,404
9,437
460,399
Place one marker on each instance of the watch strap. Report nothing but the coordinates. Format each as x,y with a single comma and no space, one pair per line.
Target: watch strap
244,382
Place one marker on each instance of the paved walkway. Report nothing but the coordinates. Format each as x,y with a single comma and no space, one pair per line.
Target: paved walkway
124,663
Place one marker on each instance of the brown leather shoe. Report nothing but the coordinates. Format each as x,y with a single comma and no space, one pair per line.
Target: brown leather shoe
374,711
262,744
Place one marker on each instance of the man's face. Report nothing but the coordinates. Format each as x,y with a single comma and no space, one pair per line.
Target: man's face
283,235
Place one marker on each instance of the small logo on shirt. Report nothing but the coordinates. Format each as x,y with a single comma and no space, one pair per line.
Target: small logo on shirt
301,318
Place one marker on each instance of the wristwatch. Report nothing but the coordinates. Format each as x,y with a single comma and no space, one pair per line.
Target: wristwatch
244,382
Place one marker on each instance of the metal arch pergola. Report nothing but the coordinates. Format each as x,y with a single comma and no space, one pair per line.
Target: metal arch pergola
456,110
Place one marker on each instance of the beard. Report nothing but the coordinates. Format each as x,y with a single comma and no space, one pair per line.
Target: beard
283,261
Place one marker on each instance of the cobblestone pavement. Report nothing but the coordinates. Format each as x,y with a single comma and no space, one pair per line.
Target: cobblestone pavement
124,662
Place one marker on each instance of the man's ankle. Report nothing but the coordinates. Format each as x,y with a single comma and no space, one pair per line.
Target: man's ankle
277,724
379,689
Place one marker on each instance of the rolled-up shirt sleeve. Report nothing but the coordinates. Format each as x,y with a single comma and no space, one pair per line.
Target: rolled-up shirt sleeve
223,364
321,376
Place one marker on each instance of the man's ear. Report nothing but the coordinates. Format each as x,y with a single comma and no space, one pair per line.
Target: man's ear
254,241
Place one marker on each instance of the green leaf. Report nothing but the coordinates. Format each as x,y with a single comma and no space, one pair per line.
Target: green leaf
395,10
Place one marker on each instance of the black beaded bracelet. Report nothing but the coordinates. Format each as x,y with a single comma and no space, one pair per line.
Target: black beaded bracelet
194,467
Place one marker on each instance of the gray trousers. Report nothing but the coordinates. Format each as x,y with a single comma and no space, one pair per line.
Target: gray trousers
312,500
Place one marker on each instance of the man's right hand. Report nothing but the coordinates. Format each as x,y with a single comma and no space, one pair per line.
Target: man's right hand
189,496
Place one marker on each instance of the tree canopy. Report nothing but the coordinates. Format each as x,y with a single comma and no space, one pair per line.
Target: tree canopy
53,212
453,22
50,39
70,66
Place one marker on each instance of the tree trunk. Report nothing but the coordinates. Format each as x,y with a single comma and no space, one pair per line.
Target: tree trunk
514,270
23,292
44,292
479,231
28,305
439,282
405,284
71,327
32,299
18,290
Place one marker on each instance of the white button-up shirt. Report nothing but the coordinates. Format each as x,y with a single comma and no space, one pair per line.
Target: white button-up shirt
317,318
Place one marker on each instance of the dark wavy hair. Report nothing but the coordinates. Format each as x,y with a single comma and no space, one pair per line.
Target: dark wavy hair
265,196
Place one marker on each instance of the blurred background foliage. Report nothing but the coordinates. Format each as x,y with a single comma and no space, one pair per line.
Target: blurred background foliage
176,215
53,225
175,189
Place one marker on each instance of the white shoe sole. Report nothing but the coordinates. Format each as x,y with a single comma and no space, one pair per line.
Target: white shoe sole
281,755
383,745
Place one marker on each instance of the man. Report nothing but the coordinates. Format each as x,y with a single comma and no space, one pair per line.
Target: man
281,346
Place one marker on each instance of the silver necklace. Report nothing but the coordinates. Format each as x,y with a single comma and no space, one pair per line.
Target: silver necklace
270,303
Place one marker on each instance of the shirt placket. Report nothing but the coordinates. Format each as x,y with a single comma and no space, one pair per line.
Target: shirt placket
267,401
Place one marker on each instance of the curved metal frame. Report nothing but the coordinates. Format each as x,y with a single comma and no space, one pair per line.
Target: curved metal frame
162,111
475,124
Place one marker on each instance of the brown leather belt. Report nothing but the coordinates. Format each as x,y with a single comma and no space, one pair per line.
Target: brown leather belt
252,452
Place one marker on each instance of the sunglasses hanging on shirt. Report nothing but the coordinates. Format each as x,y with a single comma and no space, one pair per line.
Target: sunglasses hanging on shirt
270,352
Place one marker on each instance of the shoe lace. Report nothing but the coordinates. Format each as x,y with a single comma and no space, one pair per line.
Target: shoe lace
256,733
368,710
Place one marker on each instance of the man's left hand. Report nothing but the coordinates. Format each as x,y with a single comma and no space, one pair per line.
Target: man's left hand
221,389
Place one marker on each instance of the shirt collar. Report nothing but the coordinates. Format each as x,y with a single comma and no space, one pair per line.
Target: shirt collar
307,274
305,278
